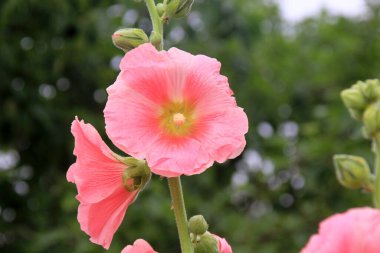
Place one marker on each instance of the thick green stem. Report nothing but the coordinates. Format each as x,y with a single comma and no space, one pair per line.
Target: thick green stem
157,24
376,192
178,205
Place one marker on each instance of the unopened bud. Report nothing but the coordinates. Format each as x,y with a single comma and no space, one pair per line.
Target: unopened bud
129,38
352,171
370,89
184,8
360,96
198,225
155,38
136,175
371,119
353,99
171,8
207,244
160,9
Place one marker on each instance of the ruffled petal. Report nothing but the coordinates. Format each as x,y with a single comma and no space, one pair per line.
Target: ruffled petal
96,173
101,220
222,135
357,230
139,246
174,157
145,55
70,173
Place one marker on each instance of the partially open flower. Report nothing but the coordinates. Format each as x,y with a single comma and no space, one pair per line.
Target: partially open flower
175,110
139,246
355,231
104,191
223,245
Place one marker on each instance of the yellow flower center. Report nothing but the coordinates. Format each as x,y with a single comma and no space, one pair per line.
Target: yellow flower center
176,118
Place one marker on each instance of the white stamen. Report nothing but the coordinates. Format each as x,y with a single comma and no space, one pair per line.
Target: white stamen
179,119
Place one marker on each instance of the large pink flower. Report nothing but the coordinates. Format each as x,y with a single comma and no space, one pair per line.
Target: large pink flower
98,176
139,246
175,110
355,231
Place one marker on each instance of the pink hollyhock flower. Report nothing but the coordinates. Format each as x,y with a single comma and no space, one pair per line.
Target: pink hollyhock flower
175,110
139,246
223,245
355,231
98,176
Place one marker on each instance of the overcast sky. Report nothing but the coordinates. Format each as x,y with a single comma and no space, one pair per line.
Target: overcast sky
296,10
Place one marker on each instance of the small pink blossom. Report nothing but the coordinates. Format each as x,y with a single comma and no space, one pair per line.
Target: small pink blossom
139,246
98,178
223,245
355,231
175,110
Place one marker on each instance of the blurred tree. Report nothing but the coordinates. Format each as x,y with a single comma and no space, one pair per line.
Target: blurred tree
57,60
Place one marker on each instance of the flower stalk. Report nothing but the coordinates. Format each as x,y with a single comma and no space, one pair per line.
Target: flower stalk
178,205
376,193
157,24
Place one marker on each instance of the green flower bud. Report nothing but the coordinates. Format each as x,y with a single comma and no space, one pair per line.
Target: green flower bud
206,244
352,171
371,119
136,175
160,9
171,8
353,99
155,38
129,38
198,225
360,96
184,8
371,89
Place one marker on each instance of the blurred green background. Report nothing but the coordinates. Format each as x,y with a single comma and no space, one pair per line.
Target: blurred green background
57,59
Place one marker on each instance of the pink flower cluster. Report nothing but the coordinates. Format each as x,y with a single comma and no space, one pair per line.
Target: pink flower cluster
355,231
172,109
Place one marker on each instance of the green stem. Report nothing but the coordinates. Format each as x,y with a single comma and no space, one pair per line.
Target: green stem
376,193
157,24
180,214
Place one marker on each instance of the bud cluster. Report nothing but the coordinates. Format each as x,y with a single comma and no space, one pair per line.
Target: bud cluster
363,103
129,38
202,240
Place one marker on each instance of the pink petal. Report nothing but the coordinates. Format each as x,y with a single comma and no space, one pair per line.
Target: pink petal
145,56
174,157
210,68
139,246
223,134
70,173
131,117
96,173
223,245
101,220
357,230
